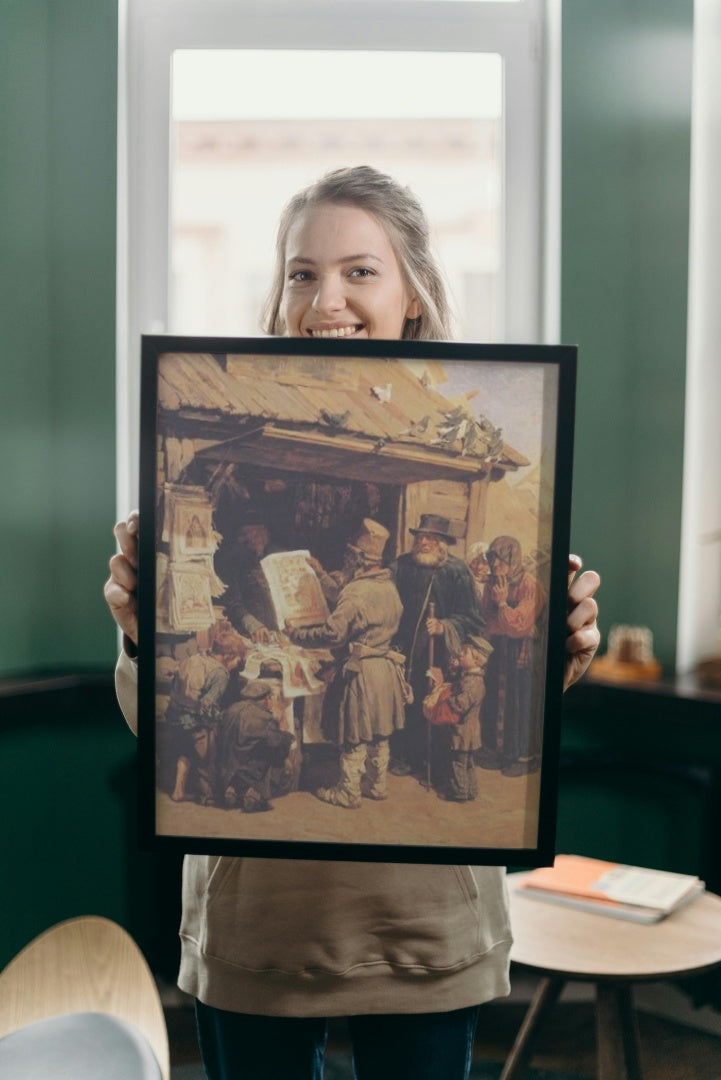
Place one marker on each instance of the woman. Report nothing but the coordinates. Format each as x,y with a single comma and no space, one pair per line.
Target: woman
272,948
512,603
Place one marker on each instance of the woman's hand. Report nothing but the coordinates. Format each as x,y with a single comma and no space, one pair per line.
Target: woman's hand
582,633
499,590
121,587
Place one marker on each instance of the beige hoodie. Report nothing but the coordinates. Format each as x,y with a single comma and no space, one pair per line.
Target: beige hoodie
284,937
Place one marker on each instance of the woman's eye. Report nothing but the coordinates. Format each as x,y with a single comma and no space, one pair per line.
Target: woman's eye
300,276
362,272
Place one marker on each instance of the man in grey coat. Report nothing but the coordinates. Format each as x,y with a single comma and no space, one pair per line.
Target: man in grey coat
365,701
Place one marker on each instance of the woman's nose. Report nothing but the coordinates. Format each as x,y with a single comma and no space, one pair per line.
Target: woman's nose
329,296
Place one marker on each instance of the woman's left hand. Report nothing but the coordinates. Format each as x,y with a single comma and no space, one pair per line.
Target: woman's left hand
582,633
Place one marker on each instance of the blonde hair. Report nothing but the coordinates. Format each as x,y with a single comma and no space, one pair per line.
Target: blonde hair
403,217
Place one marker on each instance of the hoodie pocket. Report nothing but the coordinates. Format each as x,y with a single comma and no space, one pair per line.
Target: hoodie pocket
300,916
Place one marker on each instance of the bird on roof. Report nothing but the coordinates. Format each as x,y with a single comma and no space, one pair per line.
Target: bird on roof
335,420
417,428
383,393
495,445
455,414
469,439
449,433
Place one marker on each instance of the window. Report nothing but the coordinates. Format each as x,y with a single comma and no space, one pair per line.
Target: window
235,161
227,107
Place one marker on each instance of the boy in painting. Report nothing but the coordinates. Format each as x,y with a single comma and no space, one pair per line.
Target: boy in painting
252,749
191,718
454,708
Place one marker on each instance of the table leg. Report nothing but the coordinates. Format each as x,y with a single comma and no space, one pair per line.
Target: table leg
617,1033
545,997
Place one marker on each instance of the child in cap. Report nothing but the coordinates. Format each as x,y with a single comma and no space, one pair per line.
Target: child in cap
454,708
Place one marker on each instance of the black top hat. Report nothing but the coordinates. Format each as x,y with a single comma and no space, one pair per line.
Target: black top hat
449,529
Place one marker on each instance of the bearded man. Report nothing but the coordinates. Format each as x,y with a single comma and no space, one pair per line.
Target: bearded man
440,604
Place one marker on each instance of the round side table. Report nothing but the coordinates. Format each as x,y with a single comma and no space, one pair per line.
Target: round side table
563,944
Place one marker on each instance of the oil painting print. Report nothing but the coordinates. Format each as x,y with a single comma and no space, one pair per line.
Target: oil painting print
352,600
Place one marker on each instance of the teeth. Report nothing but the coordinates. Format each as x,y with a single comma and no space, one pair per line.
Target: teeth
336,332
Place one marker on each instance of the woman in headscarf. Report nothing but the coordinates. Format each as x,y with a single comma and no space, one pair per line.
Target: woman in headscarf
512,603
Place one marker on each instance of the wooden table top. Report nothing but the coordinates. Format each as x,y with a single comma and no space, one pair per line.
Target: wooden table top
559,940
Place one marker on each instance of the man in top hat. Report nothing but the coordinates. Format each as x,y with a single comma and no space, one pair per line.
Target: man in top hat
440,605
364,704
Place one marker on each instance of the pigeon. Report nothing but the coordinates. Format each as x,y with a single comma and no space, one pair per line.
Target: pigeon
469,439
335,420
455,414
495,443
485,424
450,433
417,428
383,393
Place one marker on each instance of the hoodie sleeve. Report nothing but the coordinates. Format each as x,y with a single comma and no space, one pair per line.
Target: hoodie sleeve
126,688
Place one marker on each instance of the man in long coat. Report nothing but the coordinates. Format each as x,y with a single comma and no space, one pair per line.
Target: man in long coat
365,702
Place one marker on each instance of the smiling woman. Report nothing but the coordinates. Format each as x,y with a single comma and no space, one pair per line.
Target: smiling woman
353,259
331,292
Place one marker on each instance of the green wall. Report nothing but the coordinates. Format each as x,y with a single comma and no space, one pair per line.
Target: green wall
626,145
58,72
67,772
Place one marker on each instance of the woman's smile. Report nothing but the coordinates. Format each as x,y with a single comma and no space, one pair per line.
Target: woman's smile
334,331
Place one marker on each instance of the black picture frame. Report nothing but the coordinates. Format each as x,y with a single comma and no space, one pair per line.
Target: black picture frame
299,444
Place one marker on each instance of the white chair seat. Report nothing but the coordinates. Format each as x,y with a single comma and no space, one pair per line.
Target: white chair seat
78,1046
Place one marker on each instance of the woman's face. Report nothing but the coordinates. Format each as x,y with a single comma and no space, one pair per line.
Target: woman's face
479,568
499,566
342,277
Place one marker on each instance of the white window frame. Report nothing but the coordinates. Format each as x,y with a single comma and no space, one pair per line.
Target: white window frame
699,600
526,34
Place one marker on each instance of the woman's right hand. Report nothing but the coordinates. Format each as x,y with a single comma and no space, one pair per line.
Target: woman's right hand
121,587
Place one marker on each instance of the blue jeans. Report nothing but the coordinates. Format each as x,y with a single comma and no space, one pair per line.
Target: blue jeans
413,1046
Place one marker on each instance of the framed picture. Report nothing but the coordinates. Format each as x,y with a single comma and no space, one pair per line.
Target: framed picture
352,597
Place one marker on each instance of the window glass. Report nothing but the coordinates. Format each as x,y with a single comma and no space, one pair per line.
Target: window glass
238,154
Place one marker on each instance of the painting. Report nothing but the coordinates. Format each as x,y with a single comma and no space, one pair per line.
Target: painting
352,597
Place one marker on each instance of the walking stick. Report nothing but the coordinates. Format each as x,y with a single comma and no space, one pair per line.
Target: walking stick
431,643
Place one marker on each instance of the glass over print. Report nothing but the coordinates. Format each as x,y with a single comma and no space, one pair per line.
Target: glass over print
352,601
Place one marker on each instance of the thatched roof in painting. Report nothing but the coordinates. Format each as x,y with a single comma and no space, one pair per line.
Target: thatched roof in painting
383,406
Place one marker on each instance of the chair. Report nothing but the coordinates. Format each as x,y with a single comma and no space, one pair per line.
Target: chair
80,1002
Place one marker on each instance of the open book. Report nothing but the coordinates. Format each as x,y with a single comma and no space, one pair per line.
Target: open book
608,888
294,589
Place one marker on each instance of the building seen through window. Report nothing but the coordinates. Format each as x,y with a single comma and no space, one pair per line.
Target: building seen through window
233,170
